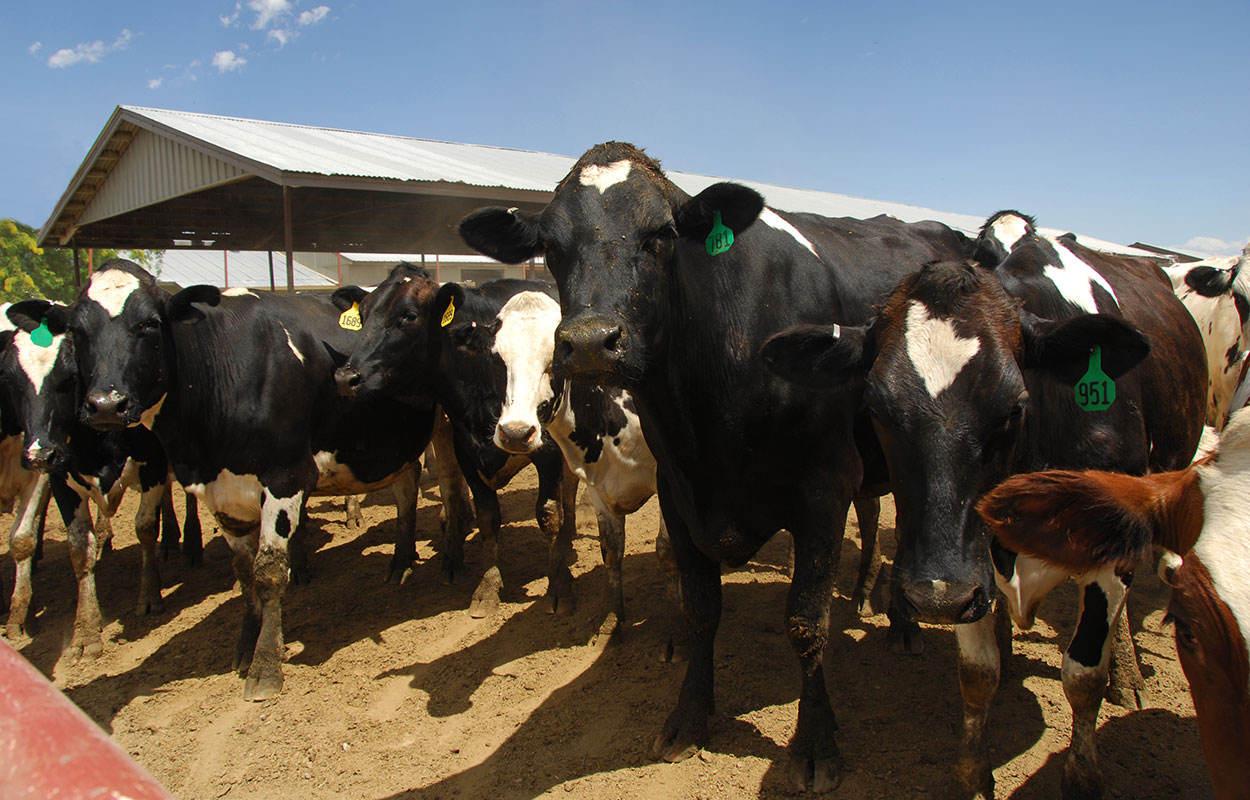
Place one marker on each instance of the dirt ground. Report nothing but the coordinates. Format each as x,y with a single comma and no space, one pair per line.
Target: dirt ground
394,692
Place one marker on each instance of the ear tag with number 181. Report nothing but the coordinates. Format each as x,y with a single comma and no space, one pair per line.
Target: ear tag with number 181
350,319
41,336
720,239
1095,391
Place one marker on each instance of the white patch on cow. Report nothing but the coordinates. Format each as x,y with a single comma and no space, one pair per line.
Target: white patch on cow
230,495
604,178
36,362
1075,279
148,418
239,291
976,643
1224,545
773,220
524,342
1031,580
291,344
111,288
271,515
936,351
6,324
1009,230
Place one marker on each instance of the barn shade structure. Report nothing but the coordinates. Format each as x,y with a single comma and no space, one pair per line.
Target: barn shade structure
157,180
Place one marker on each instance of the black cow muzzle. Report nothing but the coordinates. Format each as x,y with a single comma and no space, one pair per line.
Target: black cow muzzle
589,344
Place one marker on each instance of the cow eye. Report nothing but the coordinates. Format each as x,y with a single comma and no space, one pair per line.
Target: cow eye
669,231
149,325
410,316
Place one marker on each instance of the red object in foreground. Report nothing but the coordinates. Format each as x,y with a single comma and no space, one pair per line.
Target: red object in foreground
50,749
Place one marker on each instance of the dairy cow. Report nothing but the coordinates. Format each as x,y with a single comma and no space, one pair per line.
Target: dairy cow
973,375
239,389
657,298
421,343
1080,522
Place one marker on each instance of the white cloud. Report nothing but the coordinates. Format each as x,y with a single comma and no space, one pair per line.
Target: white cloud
1214,246
281,36
90,52
227,61
34,47
313,15
155,83
267,11
230,20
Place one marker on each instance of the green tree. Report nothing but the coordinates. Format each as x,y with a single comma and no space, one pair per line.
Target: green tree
27,270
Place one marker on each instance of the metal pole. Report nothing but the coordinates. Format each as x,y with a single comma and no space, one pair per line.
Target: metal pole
271,286
340,269
225,260
77,271
290,250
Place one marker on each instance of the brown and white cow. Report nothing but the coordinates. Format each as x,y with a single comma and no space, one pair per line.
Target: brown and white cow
1082,522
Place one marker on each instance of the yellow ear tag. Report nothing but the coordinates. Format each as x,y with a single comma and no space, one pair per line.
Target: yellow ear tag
449,314
350,319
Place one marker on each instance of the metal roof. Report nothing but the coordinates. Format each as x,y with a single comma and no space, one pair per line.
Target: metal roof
226,268
154,176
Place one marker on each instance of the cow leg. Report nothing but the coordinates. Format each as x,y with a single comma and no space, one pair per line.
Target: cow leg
676,647
1125,687
280,518
147,531
486,595
168,525
244,540
612,549
685,730
904,634
405,489
83,554
104,517
979,669
1085,680
814,759
868,513
556,512
192,534
457,512
32,504
353,518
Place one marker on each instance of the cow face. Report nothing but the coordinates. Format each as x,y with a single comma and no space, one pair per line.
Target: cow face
39,375
392,356
610,237
524,336
121,325
944,368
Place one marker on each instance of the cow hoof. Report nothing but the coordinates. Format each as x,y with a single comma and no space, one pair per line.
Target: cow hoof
263,686
453,572
1082,786
904,637
818,775
1130,698
85,649
674,652
559,603
957,791
863,606
678,746
19,633
610,630
399,572
153,606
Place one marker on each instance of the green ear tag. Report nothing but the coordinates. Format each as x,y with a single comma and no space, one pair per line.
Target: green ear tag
350,319
449,314
720,239
1095,391
41,336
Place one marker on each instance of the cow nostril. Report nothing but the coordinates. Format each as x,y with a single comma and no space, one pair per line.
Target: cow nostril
614,341
564,350
354,379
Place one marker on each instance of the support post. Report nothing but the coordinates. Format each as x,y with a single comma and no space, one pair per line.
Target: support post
290,248
77,271
271,286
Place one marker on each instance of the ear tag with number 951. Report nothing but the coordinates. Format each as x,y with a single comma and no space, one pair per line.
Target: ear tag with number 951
350,319
41,336
720,239
1095,391
449,314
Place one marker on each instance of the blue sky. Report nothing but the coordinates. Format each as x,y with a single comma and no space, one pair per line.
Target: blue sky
1125,121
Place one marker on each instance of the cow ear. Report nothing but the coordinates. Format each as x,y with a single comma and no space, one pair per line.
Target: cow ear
819,356
738,205
346,296
180,305
1063,347
447,303
30,314
504,234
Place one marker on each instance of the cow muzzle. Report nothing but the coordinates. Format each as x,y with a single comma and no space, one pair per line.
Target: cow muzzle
941,602
106,411
348,379
41,459
589,345
519,438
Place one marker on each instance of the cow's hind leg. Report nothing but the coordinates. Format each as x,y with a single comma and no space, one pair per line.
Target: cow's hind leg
486,595
979,669
147,531
556,512
192,533
32,503
612,549
868,514
243,540
405,556
1125,686
1085,680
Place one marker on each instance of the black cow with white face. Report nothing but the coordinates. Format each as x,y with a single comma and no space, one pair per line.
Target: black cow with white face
421,342
740,453
973,375
239,388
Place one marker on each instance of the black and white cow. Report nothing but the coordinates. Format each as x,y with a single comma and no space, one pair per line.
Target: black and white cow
421,342
1217,294
239,388
970,377
740,453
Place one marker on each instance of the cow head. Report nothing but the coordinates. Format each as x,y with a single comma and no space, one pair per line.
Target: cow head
1000,234
524,338
121,325
38,372
392,355
1081,521
944,368
609,237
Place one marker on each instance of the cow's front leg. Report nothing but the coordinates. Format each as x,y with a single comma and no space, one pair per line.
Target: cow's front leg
192,533
80,535
1125,685
405,490
279,520
612,549
32,503
814,760
486,595
676,646
1085,680
456,514
979,667
244,540
556,512
868,515
147,531
685,731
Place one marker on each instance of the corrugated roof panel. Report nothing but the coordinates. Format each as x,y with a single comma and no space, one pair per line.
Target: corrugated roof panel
153,169
246,268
